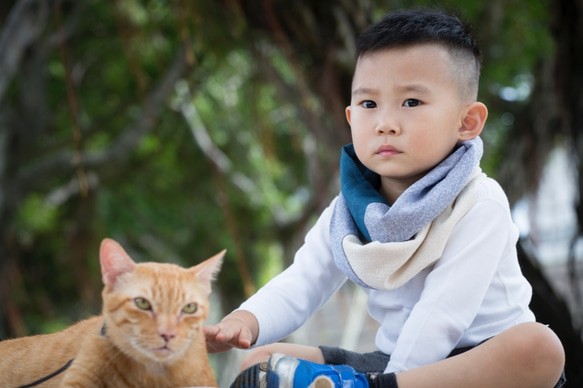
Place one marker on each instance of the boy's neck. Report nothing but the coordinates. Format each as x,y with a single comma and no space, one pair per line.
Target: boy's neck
391,190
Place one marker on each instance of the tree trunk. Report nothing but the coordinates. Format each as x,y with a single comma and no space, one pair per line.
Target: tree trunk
567,31
551,309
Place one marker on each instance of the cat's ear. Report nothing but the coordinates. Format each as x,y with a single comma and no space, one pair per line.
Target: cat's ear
207,270
114,261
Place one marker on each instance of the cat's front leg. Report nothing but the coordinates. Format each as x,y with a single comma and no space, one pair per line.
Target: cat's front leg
81,375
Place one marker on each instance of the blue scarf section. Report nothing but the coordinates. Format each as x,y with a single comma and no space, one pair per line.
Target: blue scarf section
361,211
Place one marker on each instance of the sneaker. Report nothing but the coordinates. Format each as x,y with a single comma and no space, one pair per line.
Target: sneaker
289,372
252,377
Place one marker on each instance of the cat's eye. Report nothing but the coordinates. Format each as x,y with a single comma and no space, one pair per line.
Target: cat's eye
190,308
142,304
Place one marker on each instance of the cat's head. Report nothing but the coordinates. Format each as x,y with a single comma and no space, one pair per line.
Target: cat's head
154,311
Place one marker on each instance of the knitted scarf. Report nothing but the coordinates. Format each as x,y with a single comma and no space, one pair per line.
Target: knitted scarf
382,247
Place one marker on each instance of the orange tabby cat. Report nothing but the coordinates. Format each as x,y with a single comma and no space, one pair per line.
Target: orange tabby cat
150,334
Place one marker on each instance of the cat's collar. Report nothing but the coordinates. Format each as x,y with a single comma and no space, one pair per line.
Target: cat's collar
103,330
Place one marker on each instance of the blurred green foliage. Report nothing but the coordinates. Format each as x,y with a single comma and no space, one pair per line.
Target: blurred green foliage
225,159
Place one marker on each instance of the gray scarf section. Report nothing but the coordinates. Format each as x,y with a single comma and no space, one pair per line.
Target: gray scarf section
382,247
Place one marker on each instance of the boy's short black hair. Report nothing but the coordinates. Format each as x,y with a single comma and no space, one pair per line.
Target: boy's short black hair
409,27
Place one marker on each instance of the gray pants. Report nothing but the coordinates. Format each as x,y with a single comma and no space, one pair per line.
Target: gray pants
376,362
364,362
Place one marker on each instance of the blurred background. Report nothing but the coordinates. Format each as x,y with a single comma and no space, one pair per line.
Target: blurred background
180,128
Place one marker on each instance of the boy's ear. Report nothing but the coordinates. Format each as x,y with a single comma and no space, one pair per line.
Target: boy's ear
348,111
473,121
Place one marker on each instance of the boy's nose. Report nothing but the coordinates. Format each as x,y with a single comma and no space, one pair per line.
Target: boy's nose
387,123
386,127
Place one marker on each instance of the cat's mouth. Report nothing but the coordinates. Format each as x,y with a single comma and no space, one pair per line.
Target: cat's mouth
163,352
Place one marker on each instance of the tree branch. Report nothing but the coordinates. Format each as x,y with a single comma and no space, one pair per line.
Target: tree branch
25,23
118,152
213,153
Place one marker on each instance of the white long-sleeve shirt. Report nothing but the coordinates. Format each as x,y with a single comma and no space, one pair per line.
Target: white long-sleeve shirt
473,292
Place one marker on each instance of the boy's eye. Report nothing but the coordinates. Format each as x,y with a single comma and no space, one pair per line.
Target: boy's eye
411,102
369,104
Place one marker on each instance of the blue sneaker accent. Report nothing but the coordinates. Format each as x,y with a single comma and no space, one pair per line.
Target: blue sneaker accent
289,372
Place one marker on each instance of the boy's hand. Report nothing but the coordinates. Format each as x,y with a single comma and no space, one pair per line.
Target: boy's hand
236,330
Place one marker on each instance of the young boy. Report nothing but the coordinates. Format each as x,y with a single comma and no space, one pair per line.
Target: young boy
418,225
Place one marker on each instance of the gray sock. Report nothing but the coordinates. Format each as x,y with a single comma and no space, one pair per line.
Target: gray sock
382,380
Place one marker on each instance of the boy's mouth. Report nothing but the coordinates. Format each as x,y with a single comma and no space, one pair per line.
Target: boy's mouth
387,150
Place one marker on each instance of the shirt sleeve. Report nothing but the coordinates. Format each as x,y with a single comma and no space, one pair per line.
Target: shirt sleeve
290,298
455,288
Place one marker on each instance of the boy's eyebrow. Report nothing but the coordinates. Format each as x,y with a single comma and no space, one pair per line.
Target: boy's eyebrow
418,88
363,90
414,88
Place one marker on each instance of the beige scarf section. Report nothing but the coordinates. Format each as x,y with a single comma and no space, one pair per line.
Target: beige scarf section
386,266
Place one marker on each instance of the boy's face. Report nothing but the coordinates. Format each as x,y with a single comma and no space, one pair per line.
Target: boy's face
405,113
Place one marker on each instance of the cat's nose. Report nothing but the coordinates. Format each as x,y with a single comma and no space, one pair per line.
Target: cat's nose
167,336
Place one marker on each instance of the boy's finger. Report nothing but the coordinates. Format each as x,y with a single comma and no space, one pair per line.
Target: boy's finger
210,331
226,335
244,339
